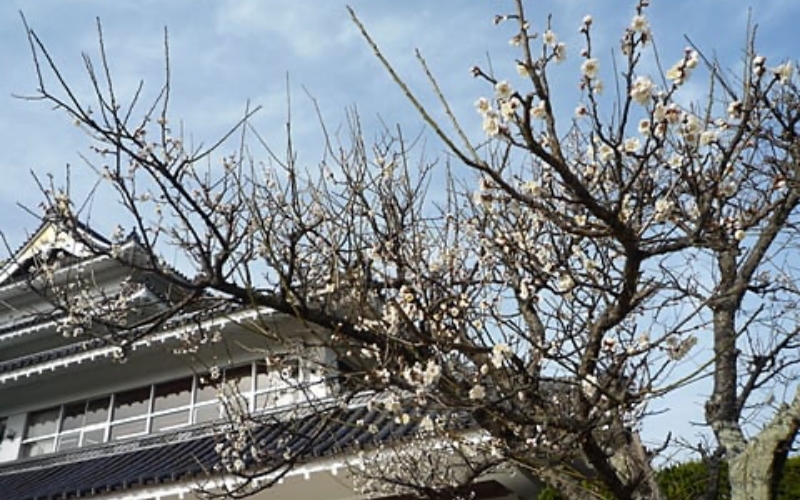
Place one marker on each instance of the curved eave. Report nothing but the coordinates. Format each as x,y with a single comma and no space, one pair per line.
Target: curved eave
48,235
107,352
13,333
98,262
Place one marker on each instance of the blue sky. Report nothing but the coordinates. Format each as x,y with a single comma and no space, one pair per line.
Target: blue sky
226,52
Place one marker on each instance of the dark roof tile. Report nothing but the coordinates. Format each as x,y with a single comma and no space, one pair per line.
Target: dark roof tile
87,472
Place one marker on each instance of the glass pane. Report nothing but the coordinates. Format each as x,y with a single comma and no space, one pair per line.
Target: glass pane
37,448
207,413
240,377
263,379
42,423
172,394
205,390
128,429
170,420
73,416
93,437
69,441
97,411
287,372
131,403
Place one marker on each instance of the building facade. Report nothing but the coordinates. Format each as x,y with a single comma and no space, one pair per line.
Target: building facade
83,417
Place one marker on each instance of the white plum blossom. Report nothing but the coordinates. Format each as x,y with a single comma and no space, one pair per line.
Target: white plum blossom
708,136
522,70
660,112
508,109
675,161
681,70
664,208
477,393
565,283
587,20
735,110
759,65
538,111
677,349
673,113
483,105
491,124
550,38
499,353
560,51
606,153
589,385
432,373
631,145
426,424
640,24
641,90
590,68
644,127
677,73
784,73
692,59
691,126
534,188
503,90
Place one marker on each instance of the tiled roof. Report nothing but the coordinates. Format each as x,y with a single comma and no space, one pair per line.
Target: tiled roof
49,355
166,459
97,342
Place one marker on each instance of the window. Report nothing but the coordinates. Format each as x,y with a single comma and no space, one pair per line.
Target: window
172,394
40,432
131,409
171,404
157,408
277,387
132,403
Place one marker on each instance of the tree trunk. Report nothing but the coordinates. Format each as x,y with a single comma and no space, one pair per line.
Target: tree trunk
753,470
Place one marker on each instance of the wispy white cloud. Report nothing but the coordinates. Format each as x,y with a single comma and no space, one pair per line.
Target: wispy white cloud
226,52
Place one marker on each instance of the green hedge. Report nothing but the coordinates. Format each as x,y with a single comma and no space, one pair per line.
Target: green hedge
687,481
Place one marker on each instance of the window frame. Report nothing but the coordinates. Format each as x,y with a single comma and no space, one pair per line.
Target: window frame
284,390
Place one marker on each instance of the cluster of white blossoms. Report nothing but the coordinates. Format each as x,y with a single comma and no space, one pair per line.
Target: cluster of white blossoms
642,90
639,24
784,73
559,48
496,118
590,68
499,354
196,336
423,377
681,70
477,392
236,446
677,348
